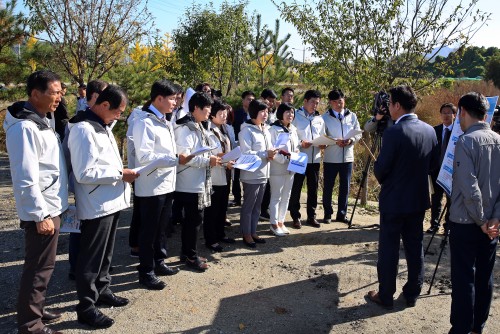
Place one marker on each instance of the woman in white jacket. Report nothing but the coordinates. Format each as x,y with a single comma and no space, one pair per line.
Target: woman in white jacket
281,180
215,214
254,138
194,182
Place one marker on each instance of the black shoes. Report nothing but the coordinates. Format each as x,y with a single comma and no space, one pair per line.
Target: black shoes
164,270
313,222
227,240
259,240
151,282
215,248
111,299
46,330
250,244
327,220
297,224
95,318
50,317
433,229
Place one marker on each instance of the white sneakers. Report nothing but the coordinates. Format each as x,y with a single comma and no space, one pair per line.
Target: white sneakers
278,231
284,229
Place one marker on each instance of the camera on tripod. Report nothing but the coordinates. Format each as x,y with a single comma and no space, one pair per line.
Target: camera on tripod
381,107
496,120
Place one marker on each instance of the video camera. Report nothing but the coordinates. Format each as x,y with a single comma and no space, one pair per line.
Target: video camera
496,120
381,107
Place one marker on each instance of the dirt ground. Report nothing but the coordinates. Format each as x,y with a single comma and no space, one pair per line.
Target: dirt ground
312,281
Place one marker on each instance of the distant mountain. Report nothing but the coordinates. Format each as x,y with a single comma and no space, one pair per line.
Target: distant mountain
444,52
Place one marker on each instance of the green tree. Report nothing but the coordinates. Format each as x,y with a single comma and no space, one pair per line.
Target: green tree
369,44
492,71
12,26
90,37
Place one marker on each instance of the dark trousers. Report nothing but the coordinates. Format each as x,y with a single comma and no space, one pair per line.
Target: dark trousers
191,224
96,251
330,172
135,224
215,215
73,251
410,228
155,212
236,186
39,261
312,175
177,212
472,260
436,206
266,200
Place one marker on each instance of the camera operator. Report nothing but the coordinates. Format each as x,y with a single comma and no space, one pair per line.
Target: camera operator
373,124
381,118
495,124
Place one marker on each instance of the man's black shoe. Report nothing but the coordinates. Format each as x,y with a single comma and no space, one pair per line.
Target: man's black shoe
50,317
152,282
432,229
264,215
163,270
111,299
327,220
313,222
95,318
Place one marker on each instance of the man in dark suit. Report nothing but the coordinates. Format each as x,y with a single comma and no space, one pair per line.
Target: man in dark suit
408,152
240,117
443,133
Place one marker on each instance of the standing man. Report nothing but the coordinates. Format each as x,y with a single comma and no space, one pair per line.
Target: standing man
338,158
310,125
474,214
240,117
81,99
443,133
101,192
408,152
40,183
287,95
153,137
59,118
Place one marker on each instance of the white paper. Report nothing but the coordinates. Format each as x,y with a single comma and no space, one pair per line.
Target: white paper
248,162
323,140
298,162
352,133
282,140
146,170
234,154
203,149
69,222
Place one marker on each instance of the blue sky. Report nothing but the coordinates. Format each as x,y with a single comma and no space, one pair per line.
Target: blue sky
169,12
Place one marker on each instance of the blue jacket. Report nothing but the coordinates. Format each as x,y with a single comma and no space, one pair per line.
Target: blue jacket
409,151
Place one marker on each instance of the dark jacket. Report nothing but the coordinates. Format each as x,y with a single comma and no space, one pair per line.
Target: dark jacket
408,153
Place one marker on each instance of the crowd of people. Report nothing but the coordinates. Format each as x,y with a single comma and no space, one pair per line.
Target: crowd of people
178,168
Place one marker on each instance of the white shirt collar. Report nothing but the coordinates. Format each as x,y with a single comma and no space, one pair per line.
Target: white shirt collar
402,116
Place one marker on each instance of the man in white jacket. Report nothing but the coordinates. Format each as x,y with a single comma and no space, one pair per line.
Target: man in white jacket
101,192
40,183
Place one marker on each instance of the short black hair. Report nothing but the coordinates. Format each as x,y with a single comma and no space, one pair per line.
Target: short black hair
95,86
40,80
475,104
113,94
406,97
163,87
312,94
200,100
448,105
199,87
266,93
286,89
82,85
246,93
282,108
335,94
218,106
254,107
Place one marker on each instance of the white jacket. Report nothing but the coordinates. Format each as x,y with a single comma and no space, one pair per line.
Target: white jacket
255,140
191,177
337,129
219,176
279,165
153,140
130,138
97,168
37,165
308,130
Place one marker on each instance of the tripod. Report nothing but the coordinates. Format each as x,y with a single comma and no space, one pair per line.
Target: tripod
377,143
443,246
